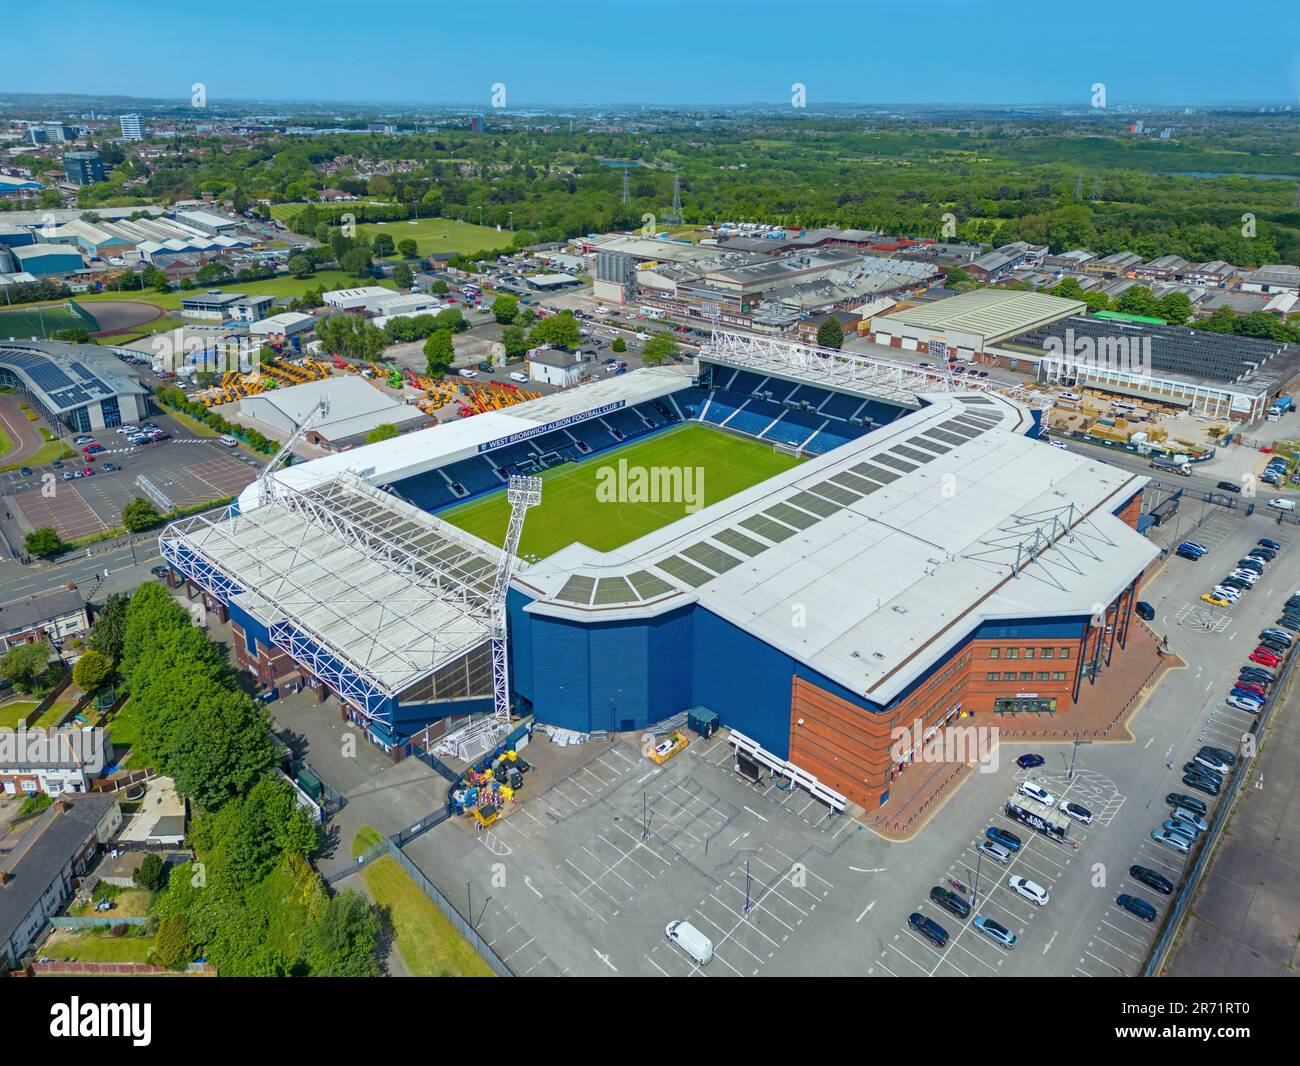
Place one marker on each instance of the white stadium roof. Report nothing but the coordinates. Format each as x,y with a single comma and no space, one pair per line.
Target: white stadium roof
896,546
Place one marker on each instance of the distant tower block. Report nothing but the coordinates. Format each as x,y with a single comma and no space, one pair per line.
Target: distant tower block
675,215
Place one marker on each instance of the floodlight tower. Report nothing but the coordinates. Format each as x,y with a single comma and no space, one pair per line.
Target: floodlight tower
523,493
318,414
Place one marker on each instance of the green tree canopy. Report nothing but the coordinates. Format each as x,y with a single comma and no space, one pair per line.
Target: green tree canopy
44,543
386,431
26,664
504,309
560,330
92,671
439,352
830,334
659,349
140,514
109,627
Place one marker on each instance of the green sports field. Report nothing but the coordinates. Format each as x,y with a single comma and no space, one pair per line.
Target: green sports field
49,318
572,508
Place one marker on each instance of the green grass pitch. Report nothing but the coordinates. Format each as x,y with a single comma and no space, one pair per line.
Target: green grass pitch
50,318
571,510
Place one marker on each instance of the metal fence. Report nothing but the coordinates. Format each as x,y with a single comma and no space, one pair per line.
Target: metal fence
93,921
1183,900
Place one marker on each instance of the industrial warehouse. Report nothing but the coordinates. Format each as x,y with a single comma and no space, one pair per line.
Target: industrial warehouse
920,531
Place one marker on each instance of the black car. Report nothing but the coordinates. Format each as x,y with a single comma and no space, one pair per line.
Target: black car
1204,771
1191,803
1151,879
1136,905
1202,784
1229,486
950,901
1274,645
1258,673
1267,554
26,471
1236,583
928,928
1222,754
1288,622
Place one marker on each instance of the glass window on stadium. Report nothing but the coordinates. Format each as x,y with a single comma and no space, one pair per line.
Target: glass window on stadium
112,412
1025,705
79,419
468,677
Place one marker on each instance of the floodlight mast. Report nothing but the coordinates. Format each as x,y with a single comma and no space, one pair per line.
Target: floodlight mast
318,414
523,493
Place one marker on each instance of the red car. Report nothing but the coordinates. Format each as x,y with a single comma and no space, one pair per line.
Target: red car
88,472
89,457
1253,686
1264,656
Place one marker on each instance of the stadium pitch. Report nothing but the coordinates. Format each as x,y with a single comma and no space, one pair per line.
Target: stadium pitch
46,319
576,497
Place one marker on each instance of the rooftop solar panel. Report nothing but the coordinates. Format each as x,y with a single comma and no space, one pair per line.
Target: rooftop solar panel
791,517
647,585
737,541
858,484
613,590
688,573
765,527
838,493
577,589
816,504
710,555
895,462
876,473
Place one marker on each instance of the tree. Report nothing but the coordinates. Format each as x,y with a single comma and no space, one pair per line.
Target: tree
172,947
355,261
560,330
619,345
439,352
386,431
830,334
402,276
343,940
153,278
211,272
956,276
140,514
301,266
151,873
110,626
1174,307
1069,289
504,309
408,248
659,349
44,543
26,664
515,342
451,319
383,245
92,671
439,287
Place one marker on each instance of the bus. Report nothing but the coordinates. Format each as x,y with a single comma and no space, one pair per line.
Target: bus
1037,816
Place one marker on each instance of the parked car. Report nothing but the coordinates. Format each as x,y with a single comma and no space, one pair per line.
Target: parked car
1265,657
1137,906
1076,811
1202,783
996,852
995,931
1264,542
1036,792
1229,486
1031,890
1030,761
1174,841
1175,825
1190,803
1211,762
1005,837
1182,814
1151,879
928,928
950,901
1215,601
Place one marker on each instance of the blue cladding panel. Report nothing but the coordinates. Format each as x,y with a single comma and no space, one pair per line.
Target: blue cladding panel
746,681
561,688
1059,627
619,676
521,645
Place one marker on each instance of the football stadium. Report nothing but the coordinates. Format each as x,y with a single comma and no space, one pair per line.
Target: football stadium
817,546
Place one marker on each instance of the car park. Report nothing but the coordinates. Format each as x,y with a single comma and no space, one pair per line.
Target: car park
1004,837
1136,906
1036,792
928,928
1077,811
950,901
1149,877
1174,841
995,931
1028,762
996,852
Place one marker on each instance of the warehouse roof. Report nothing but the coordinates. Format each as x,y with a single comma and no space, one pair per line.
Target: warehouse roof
356,406
989,313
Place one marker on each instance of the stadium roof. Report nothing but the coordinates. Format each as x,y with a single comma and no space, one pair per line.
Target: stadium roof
414,453
897,545
360,573
988,313
68,376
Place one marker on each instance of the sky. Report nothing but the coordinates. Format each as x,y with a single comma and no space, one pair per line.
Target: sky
593,52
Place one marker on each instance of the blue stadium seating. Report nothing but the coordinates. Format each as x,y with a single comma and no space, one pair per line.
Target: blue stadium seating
593,434
840,406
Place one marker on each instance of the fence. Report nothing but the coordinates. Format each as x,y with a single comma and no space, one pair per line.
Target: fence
1183,901
387,847
93,921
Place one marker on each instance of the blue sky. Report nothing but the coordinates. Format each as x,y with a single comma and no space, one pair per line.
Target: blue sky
663,51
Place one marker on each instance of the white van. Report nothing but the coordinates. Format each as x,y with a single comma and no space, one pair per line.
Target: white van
230,442
1282,505
515,375
698,946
